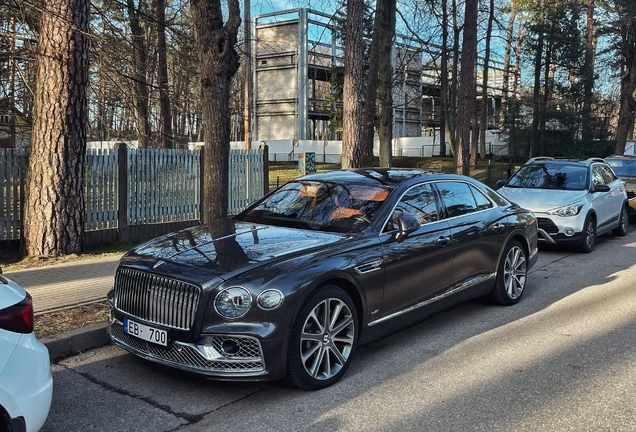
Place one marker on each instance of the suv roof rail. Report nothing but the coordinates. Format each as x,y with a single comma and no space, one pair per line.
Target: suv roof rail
594,159
540,158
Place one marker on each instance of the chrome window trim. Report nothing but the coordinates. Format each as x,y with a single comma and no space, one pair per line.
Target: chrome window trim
494,204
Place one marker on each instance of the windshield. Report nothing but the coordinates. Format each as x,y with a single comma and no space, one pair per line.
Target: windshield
322,206
623,167
550,176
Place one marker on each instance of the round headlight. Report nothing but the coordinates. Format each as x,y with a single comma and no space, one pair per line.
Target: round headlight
233,302
270,299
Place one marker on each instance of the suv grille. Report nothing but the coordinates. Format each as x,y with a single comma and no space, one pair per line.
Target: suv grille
156,299
547,225
248,358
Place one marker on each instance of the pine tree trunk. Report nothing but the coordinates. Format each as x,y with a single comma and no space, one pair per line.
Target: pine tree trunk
484,89
506,66
588,74
627,111
466,88
443,82
54,210
371,94
385,94
165,119
352,92
140,66
219,62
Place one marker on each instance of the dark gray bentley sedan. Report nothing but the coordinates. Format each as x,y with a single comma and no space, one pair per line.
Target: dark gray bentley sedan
324,263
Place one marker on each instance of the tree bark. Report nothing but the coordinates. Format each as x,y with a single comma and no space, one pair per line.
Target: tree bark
466,88
506,65
140,66
219,61
627,111
385,80
54,210
371,95
443,81
484,89
352,91
626,28
165,139
536,97
588,74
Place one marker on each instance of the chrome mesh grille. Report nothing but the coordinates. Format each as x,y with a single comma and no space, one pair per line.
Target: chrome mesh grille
156,299
248,358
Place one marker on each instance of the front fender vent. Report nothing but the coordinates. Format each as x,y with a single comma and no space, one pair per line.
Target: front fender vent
369,267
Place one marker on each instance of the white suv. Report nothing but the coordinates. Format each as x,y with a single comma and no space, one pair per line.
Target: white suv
26,385
574,201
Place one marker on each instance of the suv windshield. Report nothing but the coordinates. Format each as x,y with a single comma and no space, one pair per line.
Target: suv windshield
322,206
623,167
550,176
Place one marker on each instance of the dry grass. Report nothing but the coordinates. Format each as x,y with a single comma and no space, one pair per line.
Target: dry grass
55,323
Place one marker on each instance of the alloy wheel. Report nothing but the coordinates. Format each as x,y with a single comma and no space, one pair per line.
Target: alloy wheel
515,272
327,338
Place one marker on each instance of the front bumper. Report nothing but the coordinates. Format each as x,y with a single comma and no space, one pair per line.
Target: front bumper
551,232
207,358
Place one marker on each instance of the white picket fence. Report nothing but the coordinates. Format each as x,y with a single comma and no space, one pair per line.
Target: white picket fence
164,186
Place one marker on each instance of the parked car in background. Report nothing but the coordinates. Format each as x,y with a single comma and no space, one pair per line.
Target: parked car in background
574,201
324,263
26,384
624,167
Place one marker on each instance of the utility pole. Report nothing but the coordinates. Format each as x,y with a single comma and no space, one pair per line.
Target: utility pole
248,76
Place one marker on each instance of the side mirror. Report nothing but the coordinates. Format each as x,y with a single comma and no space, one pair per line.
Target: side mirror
407,223
601,188
500,183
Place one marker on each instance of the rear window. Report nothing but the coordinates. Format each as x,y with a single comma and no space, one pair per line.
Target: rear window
550,176
623,167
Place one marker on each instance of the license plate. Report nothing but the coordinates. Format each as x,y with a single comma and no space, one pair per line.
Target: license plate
145,332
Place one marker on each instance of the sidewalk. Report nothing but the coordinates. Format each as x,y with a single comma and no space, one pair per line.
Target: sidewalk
61,286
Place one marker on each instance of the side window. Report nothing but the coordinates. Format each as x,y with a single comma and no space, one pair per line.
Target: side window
421,201
597,175
609,174
481,200
457,198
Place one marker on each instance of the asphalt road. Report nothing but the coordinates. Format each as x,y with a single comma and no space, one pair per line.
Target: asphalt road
563,359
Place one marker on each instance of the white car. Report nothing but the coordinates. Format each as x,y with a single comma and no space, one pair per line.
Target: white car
574,201
26,384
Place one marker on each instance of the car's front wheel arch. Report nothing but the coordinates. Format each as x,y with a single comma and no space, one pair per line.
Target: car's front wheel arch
323,337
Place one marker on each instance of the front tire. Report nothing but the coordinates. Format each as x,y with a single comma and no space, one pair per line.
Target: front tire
589,235
323,339
511,275
623,222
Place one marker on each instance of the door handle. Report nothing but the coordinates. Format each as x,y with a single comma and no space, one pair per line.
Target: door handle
442,241
498,228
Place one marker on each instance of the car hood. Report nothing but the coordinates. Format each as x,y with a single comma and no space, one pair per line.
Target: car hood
223,252
630,183
541,200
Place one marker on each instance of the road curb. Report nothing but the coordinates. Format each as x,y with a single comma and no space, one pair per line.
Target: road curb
76,341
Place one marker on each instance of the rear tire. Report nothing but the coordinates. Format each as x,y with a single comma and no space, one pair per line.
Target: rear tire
589,235
511,275
623,223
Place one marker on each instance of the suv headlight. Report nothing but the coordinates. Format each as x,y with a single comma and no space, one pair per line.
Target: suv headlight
233,302
568,210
